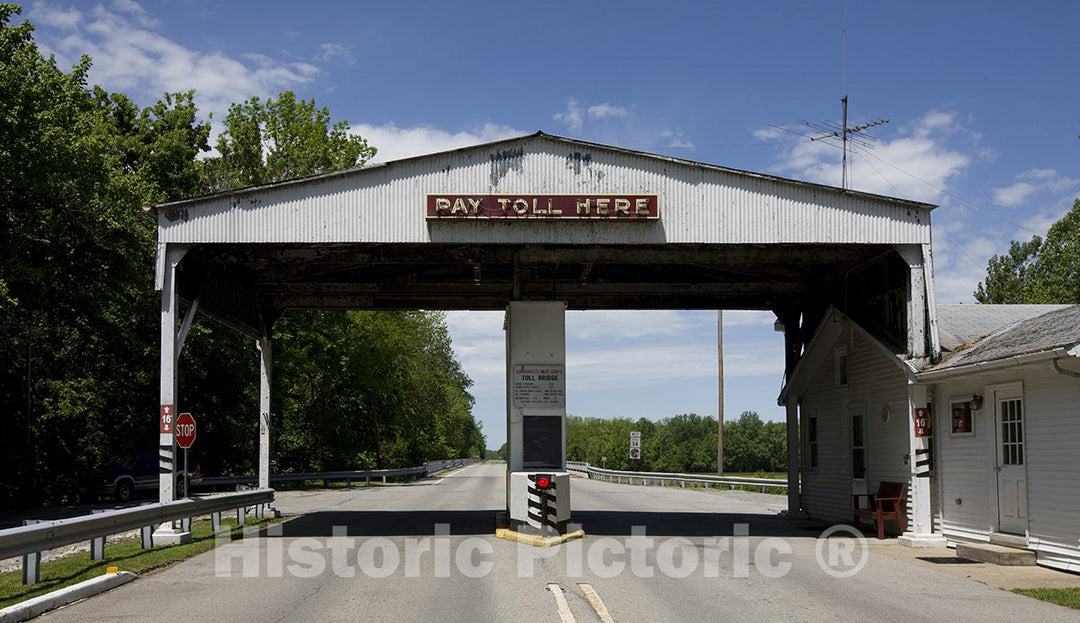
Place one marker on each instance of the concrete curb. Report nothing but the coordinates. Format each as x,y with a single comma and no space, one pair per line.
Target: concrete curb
533,539
39,605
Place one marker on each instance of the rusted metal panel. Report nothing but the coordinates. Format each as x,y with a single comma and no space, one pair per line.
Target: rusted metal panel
701,203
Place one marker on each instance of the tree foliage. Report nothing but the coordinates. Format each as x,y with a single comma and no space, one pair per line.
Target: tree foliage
684,443
76,286
393,396
1038,271
279,139
79,319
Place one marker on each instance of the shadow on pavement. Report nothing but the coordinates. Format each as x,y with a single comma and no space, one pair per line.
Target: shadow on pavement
390,523
620,523
595,523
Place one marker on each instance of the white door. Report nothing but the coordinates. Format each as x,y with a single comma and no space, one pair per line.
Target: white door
1011,483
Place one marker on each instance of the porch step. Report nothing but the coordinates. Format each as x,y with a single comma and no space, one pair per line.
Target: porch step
996,554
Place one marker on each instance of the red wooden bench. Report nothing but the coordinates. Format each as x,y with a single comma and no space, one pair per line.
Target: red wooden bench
887,504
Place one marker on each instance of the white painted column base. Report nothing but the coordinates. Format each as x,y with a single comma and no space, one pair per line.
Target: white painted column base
167,535
915,539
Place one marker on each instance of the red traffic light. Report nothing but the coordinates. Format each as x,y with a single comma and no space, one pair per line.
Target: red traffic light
543,482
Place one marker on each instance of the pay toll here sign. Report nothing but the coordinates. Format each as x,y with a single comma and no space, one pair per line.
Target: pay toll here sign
543,207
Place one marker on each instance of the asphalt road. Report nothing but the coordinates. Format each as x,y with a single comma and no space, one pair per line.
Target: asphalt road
426,552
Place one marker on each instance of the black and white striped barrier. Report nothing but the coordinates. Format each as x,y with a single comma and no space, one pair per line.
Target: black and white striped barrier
540,500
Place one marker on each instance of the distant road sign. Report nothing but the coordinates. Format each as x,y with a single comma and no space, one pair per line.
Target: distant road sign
635,453
185,430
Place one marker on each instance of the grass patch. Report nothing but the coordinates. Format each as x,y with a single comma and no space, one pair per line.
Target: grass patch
127,555
1068,597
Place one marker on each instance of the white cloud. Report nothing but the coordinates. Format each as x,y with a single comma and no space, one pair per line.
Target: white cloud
636,365
916,165
1014,195
333,52
1031,182
572,118
600,111
621,325
747,318
135,10
575,114
768,134
42,14
130,55
677,139
395,143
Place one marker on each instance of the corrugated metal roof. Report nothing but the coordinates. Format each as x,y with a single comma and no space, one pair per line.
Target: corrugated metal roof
699,203
551,137
963,324
1052,330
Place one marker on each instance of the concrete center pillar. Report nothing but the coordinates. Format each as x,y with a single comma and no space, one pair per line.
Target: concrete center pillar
536,415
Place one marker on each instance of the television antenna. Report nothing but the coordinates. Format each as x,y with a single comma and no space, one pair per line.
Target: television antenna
830,130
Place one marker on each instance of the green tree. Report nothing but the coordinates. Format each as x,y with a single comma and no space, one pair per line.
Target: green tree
1009,277
1038,271
77,305
370,389
279,139
751,445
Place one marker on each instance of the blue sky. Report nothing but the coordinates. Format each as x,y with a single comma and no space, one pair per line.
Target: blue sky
981,97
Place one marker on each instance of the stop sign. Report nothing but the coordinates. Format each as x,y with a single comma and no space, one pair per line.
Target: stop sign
185,430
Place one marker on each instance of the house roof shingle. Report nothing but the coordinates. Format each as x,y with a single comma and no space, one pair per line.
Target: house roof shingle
1057,328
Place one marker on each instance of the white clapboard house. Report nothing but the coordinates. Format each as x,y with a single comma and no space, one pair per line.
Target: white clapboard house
1001,463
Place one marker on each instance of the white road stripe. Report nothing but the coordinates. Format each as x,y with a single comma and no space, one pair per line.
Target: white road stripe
560,601
596,603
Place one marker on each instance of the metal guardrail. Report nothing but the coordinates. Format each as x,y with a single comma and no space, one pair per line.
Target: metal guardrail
348,476
661,478
29,541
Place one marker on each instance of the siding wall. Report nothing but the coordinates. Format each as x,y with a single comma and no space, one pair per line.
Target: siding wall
873,382
1052,450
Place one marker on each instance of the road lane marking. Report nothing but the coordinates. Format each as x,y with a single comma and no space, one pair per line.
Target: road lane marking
560,601
596,603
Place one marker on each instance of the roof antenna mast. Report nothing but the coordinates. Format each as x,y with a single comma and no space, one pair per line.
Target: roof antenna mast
844,132
830,130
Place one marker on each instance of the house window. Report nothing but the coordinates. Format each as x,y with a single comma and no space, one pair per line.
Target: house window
841,365
858,448
1012,433
811,442
961,418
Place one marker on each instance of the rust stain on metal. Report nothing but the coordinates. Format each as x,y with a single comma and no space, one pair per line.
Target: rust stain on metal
502,162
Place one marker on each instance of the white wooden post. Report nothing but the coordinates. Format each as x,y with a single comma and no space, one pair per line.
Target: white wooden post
920,528
793,497
266,359
169,257
917,300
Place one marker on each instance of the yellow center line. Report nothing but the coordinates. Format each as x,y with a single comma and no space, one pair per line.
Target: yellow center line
560,601
597,604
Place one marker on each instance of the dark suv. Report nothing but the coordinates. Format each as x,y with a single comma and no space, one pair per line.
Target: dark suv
138,474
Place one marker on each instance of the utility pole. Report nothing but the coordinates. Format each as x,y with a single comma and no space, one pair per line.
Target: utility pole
720,393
